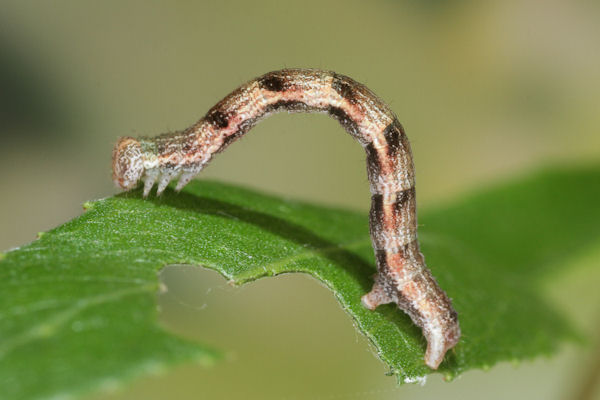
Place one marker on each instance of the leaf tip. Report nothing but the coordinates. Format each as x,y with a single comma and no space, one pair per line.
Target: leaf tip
39,235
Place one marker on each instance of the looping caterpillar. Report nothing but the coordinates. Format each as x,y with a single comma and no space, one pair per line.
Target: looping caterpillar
402,276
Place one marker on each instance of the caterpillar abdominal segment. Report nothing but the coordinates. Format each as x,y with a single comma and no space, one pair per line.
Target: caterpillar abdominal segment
402,276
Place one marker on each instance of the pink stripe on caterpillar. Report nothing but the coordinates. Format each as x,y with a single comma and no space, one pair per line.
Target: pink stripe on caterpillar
402,276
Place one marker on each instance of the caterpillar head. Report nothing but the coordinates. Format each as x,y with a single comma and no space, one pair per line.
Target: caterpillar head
127,163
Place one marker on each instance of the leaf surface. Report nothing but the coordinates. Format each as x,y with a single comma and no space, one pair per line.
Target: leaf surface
78,305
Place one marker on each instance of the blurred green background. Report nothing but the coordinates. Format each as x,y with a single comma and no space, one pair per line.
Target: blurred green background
485,90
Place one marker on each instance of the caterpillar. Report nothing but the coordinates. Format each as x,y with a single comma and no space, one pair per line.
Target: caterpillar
402,276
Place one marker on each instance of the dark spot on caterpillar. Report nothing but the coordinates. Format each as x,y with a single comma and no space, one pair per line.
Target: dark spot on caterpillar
343,118
373,166
402,197
393,134
381,258
341,85
272,83
289,105
376,219
410,251
217,118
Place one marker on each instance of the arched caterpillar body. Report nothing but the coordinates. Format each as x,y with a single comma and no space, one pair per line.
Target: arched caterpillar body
402,276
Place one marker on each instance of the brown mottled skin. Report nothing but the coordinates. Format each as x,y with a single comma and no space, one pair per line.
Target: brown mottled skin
402,276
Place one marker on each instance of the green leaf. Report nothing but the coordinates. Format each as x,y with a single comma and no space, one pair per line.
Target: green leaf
78,305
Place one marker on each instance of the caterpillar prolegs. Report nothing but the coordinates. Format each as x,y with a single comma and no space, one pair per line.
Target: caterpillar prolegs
402,276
